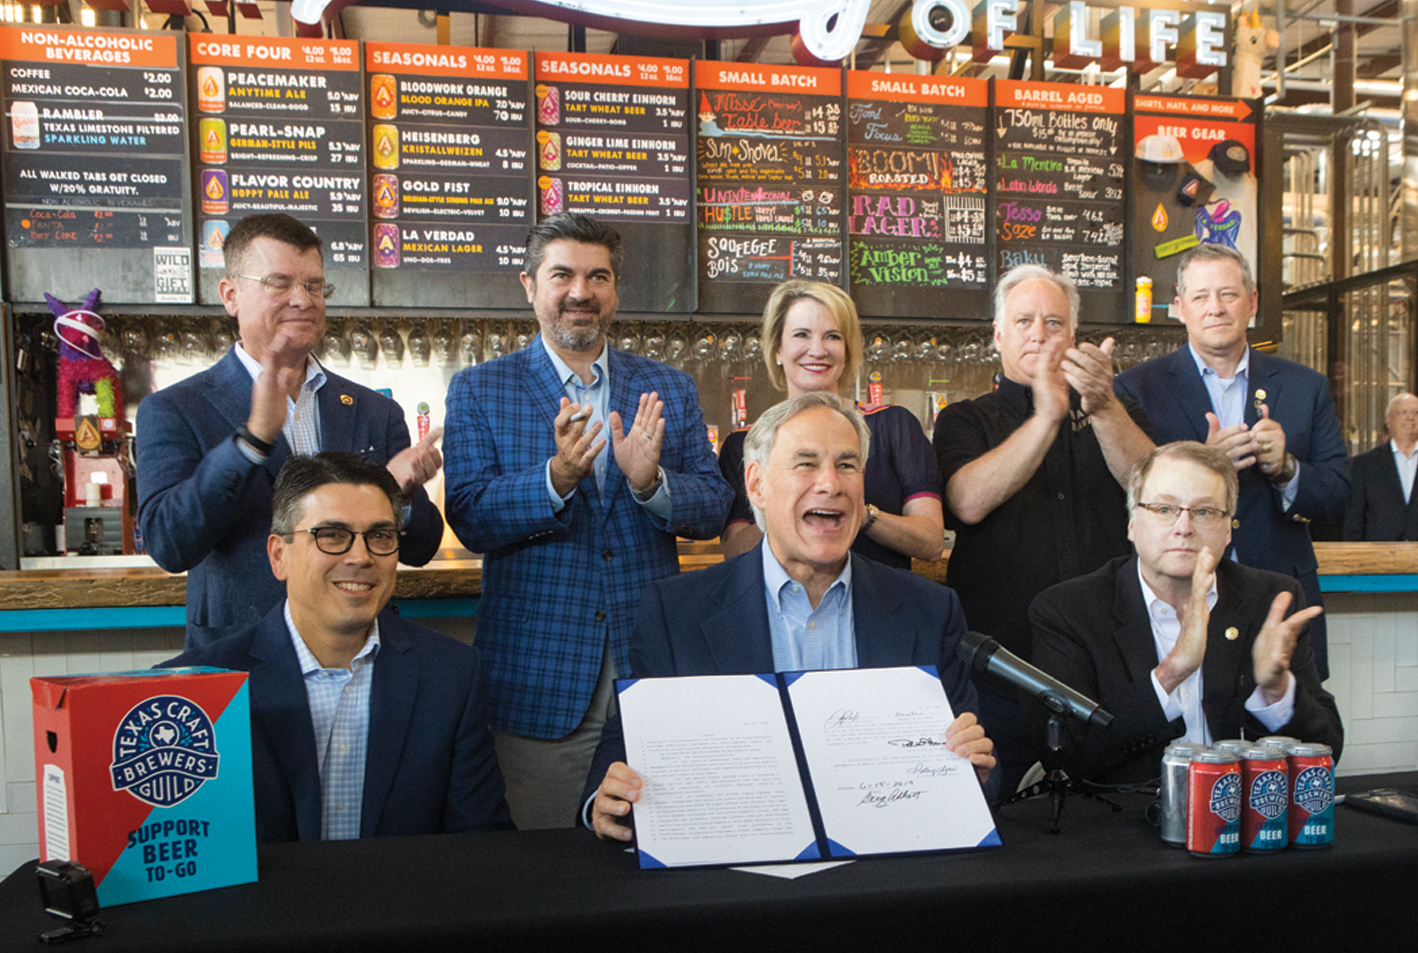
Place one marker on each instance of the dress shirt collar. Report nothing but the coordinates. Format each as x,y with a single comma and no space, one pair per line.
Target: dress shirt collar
314,373
309,664
567,376
1158,608
1242,369
775,577
1393,445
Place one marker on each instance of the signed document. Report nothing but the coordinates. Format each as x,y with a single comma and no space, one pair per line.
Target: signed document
885,782
719,758
721,781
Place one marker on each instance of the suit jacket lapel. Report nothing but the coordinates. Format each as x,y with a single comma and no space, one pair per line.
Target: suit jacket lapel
538,376
624,400
391,706
1133,633
881,640
278,701
1263,377
339,409
738,635
1222,672
1188,391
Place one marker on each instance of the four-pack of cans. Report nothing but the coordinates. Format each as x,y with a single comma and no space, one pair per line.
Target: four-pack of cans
1257,796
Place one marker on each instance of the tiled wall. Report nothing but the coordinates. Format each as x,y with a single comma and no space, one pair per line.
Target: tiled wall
1373,653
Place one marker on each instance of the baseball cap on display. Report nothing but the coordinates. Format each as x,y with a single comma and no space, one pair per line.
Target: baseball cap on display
1230,157
1164,150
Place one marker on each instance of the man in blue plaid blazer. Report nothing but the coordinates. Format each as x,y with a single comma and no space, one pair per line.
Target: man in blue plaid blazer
571,467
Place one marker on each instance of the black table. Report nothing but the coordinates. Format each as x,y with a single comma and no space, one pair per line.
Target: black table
1105,882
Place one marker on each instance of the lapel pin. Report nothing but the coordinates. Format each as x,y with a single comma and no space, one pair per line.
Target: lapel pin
347,400
1260,393
1232,634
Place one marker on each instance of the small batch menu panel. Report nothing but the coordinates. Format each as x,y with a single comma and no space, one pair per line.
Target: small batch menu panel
770,187
1059,184
280,128
451,167
95,170
613,141
917,179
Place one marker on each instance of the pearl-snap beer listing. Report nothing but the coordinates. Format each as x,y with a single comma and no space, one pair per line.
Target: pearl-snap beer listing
450,173
280,128
1058,185
94,161
917,178
770,180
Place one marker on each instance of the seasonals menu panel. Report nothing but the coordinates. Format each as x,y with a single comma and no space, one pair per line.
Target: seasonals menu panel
280,128
613,142
94,164
917,178
771,175
1058,186
450,174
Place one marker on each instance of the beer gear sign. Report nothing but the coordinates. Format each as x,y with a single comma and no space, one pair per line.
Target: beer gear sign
164,750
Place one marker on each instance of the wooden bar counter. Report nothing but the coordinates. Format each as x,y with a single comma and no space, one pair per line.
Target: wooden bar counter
1370,567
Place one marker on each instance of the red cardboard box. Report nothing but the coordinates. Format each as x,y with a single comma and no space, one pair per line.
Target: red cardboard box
145,778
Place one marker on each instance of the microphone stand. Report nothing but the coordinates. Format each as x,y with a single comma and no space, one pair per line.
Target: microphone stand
1055,783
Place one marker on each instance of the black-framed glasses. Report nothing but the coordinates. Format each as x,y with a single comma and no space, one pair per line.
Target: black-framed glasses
1167,514
282,284
336,540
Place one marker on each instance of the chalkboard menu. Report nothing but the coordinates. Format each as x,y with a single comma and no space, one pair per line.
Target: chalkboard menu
96,187
917,178
770,181
280,128
450,177
1058,187
613,142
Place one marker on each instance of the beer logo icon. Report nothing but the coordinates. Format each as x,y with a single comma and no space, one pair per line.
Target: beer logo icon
548,105
1226,797
383,96
549,150
386,246
164,750
209,252
386,146
1268,794
1312,790
24,125
553,199
211,135
215,193
386,195
211,89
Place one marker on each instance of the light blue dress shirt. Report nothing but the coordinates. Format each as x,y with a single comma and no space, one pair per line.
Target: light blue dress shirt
339,713
807,639
302,426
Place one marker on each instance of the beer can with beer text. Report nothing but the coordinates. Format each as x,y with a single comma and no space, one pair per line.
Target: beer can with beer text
1176,762
1311,795
1264,779
1214,804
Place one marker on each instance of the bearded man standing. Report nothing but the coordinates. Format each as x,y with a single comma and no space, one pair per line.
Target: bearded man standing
571,467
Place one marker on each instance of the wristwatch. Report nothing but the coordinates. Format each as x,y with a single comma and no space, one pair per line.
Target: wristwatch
654,487
872,513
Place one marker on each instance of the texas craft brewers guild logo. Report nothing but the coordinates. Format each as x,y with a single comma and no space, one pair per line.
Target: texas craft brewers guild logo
1268,794
164,750
1226,797
1312,790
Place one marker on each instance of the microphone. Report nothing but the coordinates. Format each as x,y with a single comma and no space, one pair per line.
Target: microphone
983,654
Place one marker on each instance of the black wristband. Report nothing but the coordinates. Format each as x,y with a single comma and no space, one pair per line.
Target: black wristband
255,442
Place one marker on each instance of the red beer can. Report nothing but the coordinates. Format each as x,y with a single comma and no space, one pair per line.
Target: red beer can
1264,781
1214,804
1311,795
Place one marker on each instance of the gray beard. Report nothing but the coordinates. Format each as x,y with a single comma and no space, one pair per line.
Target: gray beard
583,339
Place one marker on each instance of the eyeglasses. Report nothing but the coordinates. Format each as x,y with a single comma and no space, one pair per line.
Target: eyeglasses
282,284
336,540
1204,517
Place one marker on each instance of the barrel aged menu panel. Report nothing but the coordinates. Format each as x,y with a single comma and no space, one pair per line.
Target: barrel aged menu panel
450,177
280,128
917,177
771,177
96,187
1058,187
613,142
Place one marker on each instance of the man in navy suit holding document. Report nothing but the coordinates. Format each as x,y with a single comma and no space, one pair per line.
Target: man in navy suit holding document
799,601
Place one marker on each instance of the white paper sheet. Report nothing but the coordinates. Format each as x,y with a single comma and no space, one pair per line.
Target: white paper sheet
874,739
721,782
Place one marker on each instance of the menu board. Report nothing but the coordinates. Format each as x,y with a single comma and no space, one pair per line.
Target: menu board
450,177
1058,187
917,178
280,128
95,165
1194,181
613,142
770,182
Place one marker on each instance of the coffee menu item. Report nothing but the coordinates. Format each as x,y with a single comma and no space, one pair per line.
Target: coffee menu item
1058,186
450,174
95,163
280,128
770,184
612,141
917,178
